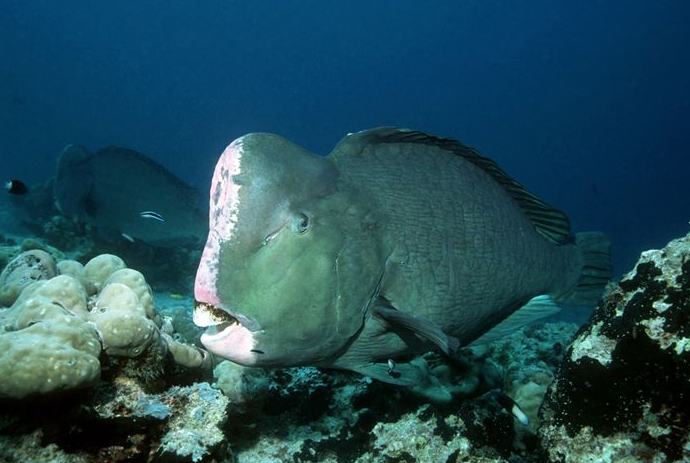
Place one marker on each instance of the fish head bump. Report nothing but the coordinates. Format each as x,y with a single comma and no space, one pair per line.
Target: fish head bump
290,263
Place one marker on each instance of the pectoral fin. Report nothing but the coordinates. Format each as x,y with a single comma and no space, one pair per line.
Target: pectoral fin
423,328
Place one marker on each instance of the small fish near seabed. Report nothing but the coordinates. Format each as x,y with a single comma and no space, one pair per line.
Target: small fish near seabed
511,407
126,195
16,187
396,243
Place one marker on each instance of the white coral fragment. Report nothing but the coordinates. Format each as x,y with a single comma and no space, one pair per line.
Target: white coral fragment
593,345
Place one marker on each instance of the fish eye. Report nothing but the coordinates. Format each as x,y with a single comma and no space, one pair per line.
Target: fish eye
301,223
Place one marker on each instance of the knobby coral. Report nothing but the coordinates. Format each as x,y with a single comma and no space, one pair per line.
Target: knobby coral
58,326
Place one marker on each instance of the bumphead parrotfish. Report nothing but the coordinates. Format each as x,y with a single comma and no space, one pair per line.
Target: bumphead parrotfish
112,187
396,243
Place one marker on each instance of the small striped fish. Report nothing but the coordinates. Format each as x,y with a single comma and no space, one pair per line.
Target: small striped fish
151,215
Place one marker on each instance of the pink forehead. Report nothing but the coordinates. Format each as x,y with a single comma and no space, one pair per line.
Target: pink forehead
224,195
224,202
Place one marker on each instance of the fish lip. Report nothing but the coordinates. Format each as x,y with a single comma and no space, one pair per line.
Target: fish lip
207,315
215,332
231,341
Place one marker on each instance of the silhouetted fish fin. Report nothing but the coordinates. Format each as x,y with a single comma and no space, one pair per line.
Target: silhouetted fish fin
537,307
596,270
73,182
89,205
547,220
423,328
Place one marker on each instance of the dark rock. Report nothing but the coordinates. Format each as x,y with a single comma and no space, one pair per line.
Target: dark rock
623,389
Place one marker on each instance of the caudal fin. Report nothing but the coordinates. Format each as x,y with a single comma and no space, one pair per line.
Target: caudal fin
596,272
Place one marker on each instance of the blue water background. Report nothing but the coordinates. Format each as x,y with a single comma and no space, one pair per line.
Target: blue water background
585,102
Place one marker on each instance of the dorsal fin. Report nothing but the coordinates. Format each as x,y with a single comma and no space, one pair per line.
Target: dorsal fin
551,223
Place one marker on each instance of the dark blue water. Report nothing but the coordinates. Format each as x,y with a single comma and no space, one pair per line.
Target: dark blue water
587,103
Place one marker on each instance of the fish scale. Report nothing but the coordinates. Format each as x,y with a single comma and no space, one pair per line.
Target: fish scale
487,249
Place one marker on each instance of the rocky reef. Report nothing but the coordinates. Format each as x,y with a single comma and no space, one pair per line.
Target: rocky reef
308,415
118,422
97,368
623,390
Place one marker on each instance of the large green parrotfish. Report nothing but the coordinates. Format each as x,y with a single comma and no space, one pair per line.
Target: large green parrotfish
396,243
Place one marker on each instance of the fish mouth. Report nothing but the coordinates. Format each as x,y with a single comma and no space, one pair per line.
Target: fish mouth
210,316
213,331
207,315
226,334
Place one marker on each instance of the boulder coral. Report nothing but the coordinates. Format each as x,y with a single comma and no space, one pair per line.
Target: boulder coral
57,328
44,348
98,269
121,321
26,268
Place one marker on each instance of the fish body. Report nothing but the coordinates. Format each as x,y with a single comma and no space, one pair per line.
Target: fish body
122,192
16,187
397,242
151,215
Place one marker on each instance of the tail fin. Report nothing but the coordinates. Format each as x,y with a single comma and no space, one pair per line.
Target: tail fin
596,270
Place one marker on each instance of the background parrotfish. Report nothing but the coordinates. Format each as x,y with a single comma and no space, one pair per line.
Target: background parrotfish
111,187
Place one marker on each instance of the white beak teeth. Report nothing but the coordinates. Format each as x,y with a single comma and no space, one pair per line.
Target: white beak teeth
206,315
202,318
